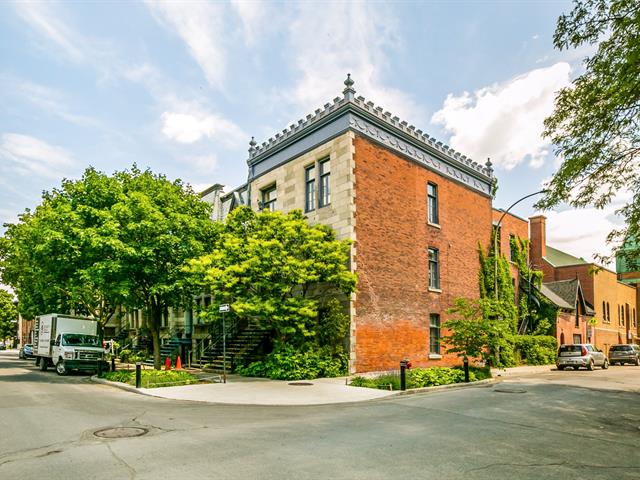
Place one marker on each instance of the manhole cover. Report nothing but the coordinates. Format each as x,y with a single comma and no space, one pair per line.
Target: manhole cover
509,390
120,432
300,384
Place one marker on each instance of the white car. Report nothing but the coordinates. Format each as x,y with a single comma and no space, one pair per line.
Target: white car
581,355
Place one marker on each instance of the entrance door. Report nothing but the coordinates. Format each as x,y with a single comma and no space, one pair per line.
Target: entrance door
577,338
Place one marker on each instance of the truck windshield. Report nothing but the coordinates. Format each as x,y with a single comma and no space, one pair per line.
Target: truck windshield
80,340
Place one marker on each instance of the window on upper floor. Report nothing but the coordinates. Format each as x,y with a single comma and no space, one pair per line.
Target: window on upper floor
325,186
310,188
269,198
434,269
432,204
608,313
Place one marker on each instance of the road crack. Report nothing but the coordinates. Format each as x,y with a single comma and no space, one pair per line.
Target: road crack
121,461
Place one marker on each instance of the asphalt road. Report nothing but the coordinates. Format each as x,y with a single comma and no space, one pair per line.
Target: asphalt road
525,428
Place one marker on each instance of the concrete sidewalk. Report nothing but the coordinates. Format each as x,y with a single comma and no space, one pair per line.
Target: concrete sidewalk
239,391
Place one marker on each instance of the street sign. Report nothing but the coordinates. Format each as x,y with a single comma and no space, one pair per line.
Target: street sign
224,308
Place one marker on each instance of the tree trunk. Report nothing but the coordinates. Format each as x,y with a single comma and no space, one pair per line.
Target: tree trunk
156,321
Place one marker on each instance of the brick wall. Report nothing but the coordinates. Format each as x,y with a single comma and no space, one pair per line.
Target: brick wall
393,302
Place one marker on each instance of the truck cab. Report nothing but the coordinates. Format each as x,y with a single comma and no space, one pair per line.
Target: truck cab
76,351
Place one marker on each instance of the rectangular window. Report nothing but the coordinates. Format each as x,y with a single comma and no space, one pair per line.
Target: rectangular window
269,198
432,197
434,334
310,188
434,268
325,189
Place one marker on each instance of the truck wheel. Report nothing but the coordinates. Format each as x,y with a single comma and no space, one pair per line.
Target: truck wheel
61,368
43,364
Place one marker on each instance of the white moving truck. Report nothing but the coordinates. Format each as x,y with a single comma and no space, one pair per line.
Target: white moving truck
68,343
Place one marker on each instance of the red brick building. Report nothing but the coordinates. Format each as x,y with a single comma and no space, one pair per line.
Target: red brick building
415,210
613,303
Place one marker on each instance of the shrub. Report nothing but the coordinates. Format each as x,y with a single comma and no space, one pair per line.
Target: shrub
152,378
431,377
423,377
387,382
288,363
536,349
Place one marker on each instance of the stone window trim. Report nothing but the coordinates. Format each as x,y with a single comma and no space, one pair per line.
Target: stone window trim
435,356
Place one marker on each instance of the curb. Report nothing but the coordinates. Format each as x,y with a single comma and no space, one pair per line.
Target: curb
451,386
121,386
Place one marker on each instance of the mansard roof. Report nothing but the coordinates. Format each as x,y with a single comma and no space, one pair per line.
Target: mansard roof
349,112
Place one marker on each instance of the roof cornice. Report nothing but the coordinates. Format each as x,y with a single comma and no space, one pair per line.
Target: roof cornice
380,125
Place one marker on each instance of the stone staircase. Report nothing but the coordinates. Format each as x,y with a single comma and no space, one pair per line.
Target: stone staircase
242,348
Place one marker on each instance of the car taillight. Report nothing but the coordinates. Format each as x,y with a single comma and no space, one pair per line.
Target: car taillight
583,351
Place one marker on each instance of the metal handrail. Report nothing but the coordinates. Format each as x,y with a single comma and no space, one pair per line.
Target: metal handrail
216,337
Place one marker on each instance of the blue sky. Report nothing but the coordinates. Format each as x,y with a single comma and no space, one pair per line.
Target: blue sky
182,86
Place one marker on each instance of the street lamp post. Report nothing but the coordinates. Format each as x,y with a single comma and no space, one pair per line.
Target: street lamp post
495,239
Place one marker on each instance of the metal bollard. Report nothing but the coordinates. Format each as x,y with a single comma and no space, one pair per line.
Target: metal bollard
113,363
99,367
138,374
404,365
465,363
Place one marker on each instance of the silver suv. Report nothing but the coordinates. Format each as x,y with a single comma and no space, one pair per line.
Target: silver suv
581,355
624,354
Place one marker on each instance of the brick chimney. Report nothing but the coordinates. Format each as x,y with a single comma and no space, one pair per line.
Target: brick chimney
538,239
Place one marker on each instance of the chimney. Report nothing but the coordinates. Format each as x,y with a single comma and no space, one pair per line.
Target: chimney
538,239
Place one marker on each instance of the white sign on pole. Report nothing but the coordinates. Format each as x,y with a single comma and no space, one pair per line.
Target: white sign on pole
224,308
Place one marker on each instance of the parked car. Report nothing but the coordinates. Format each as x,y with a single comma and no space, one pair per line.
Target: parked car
622,354
26,351
581,355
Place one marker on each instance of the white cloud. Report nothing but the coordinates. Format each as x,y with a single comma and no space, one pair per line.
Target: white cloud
327,41
252,15
201,27
505,121
41,17
192,126
31,156
583,233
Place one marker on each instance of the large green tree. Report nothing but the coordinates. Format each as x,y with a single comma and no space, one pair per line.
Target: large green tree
277,270
8,315
595,126
104,242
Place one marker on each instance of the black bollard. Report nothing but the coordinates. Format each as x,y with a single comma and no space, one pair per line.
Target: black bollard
138,374
465,362
99,368
113,363
404,364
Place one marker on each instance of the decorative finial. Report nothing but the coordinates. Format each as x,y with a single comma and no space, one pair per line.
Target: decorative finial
252,147
253,142
349,91
349,82
489,165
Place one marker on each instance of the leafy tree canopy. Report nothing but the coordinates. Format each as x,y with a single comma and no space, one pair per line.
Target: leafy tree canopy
595,126
8,315
275,269
106,241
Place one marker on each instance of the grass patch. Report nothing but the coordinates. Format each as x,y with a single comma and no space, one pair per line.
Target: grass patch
152,378
422,377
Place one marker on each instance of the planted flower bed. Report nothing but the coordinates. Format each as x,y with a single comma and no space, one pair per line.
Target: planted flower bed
152,378
422,377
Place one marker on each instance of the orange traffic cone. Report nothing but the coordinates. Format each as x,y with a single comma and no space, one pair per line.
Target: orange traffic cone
178,363
167,364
